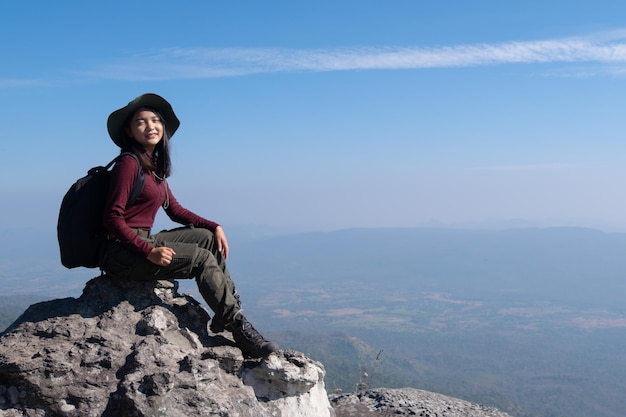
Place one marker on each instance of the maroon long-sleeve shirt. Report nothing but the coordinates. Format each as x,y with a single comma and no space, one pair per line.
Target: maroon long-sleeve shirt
118,220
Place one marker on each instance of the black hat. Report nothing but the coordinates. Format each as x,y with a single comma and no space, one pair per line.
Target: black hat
118,119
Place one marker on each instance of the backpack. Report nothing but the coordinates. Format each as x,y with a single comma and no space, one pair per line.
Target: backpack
80,231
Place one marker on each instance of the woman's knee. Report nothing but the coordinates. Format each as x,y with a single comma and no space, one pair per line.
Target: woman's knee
204,238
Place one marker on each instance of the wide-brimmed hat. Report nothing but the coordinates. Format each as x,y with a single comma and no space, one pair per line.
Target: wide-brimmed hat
117,121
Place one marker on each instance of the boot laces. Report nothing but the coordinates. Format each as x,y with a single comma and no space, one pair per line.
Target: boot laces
251,333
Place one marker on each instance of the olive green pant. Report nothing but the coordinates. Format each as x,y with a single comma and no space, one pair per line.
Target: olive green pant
196,257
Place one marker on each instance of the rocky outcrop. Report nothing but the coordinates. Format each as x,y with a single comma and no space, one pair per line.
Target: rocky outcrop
407,402
141,349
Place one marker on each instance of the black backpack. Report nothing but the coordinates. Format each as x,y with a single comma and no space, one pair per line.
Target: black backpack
80,231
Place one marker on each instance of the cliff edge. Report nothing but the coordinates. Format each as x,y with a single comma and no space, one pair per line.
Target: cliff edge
383,402
141,349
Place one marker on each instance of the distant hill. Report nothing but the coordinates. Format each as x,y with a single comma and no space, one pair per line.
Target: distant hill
571,265
531,321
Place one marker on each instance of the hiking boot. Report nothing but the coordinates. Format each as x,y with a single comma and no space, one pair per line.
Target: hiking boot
249,340
217,323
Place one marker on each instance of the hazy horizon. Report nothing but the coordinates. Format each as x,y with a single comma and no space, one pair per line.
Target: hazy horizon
525,317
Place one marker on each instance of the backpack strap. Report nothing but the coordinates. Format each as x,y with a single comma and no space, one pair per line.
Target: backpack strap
140,178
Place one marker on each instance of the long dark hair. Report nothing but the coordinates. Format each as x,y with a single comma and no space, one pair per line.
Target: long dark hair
161,165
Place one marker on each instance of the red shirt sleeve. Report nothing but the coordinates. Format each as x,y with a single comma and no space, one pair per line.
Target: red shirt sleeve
179,214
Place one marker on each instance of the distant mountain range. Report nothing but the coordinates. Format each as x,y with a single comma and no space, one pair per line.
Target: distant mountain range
572,265
528,320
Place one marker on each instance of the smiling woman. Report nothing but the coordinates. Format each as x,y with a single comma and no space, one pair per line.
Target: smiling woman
198,250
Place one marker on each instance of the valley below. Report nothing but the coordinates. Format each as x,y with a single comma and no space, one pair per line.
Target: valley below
529,321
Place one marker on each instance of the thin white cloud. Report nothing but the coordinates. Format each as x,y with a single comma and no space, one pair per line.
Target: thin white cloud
582,57
19,83
529,167
605,51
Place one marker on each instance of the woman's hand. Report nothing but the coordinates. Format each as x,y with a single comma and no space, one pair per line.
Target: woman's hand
161,256
222,243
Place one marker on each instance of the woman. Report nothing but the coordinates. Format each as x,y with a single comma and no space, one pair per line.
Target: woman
199,249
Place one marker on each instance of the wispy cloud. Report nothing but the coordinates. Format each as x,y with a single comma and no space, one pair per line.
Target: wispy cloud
607,51
7,83
529,167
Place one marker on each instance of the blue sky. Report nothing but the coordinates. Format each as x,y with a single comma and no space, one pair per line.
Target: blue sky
325,115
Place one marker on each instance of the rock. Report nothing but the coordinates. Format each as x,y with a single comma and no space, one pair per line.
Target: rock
141,349
407,402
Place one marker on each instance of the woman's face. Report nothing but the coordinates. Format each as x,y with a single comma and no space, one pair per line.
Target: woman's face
146,128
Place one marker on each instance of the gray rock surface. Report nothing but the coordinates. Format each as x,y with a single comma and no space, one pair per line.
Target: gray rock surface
407,402
141,349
